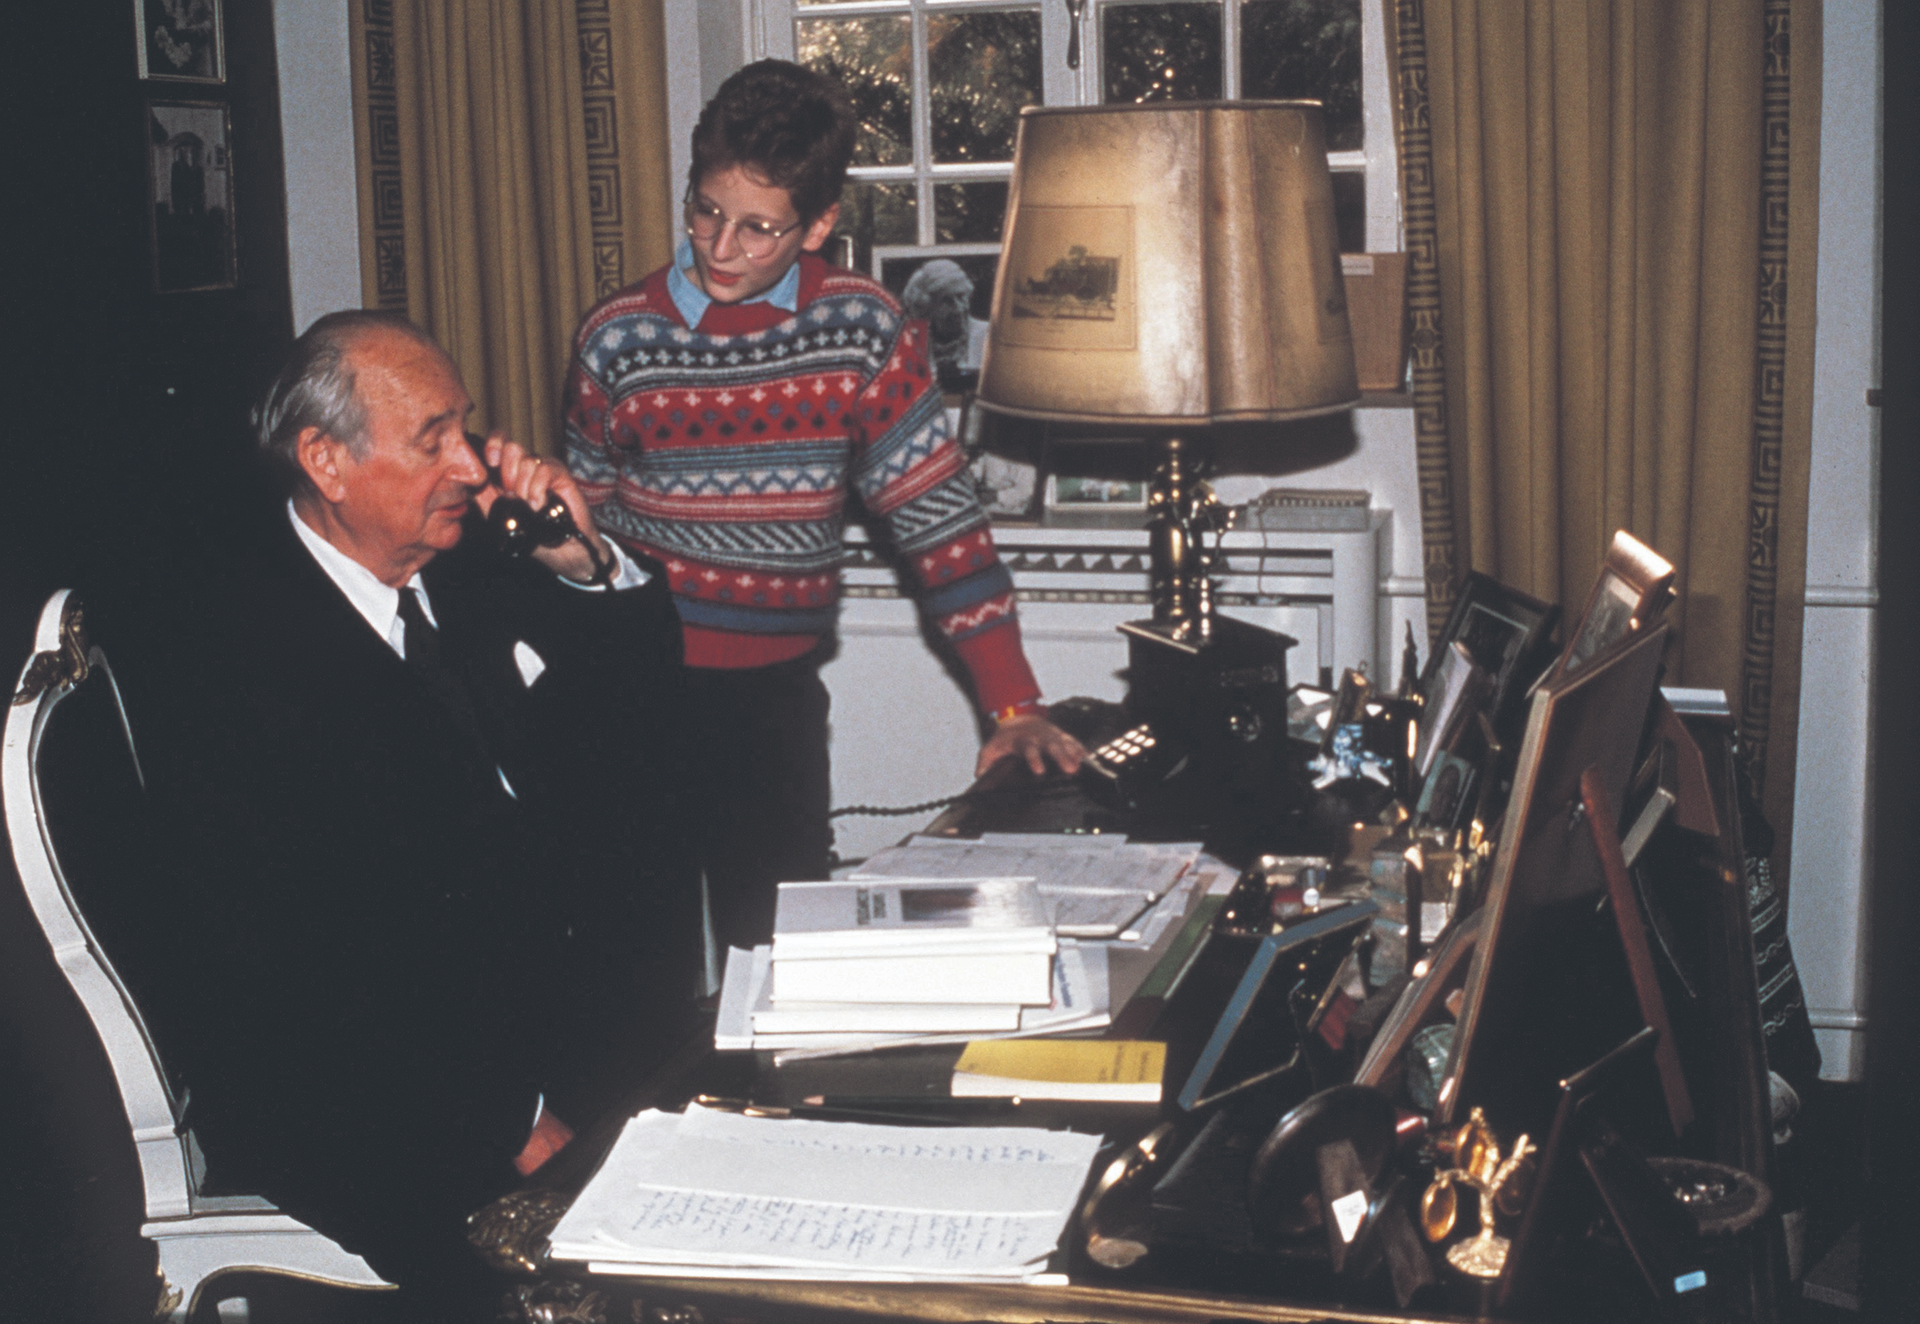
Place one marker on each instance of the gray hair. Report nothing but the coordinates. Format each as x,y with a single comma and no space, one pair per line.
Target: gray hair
315,389
938,277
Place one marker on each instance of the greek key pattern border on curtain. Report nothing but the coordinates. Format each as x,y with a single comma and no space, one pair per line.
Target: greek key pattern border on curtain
599,102
1434,459
381,88
1769,392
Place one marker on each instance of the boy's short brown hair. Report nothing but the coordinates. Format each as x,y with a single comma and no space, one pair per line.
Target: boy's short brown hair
791,127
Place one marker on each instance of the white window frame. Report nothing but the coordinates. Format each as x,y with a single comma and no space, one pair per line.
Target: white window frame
729,33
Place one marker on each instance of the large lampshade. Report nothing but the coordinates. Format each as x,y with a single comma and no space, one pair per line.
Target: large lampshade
1171,264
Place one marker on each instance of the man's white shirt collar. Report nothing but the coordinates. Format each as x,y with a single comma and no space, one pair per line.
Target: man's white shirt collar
377,602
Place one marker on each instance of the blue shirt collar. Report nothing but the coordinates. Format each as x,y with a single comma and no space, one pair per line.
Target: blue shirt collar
692,301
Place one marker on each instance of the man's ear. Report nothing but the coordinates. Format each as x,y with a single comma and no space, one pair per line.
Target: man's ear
322,458
820,227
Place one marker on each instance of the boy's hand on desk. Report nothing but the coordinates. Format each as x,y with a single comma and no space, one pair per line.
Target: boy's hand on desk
1034,739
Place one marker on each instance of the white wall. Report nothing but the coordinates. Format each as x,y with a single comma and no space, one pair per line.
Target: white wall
1832,805
316,126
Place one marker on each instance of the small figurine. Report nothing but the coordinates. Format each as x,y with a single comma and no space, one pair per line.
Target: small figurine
1476,1153
1409,666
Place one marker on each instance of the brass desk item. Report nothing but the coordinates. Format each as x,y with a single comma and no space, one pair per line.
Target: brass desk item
1478,1163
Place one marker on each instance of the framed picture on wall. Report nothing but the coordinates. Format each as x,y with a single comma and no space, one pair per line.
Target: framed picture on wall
180,40
190,195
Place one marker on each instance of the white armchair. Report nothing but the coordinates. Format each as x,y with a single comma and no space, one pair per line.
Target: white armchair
199,1236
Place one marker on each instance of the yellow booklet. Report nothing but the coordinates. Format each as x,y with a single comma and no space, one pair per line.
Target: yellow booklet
1098,1070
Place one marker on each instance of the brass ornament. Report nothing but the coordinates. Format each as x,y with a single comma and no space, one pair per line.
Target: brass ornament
511,1233
170,1297
557,1301
63,667
1500,1183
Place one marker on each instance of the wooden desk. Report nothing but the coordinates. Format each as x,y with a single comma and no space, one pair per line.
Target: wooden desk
1724,1057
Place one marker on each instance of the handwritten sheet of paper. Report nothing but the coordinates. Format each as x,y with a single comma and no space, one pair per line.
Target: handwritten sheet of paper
712,1190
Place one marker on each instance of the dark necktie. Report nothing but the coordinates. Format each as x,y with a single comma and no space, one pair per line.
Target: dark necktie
426,661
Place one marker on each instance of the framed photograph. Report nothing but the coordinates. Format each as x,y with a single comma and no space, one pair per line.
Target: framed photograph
180,40
1460,688
1631,591
1503,631
1549,989
1009,490
1104,503
951,288
190,195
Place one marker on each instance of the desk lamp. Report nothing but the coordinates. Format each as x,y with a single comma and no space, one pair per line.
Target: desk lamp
1165,269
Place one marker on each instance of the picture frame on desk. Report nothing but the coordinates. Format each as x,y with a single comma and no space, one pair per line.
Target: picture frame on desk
1632,590
1547,947
955,300
1505,632
1009,488
1095,503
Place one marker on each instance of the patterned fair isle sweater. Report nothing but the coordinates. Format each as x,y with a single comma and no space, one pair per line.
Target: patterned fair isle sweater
726,452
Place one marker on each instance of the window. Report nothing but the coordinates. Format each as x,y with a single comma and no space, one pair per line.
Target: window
938,85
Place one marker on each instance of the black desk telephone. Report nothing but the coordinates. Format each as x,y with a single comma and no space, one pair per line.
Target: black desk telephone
519,528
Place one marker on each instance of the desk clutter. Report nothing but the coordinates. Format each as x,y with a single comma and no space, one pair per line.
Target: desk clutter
1469,1024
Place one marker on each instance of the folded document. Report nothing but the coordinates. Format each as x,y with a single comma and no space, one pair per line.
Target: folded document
712,1194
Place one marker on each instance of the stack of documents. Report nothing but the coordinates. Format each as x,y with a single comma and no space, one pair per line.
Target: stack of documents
1091,885
713,1195
1138,895
749,1018
957,941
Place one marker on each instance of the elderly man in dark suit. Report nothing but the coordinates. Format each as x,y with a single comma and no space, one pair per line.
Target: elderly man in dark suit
431,903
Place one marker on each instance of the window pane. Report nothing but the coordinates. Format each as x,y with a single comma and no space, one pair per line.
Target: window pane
1306,48
981,68
875,214
1160,52
968,213
873,59
1350,210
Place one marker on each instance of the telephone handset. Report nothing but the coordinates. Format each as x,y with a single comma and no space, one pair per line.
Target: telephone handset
519,528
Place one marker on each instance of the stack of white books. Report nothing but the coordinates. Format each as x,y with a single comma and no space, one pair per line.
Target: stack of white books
750,1019
713,1195
806,994
946,950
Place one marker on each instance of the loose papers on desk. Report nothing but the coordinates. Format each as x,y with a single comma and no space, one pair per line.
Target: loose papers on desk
716,1195
1091,885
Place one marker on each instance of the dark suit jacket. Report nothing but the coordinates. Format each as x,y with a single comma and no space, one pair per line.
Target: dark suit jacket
372,959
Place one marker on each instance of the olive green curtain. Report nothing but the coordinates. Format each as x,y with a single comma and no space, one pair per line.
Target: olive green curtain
1612,205
513,168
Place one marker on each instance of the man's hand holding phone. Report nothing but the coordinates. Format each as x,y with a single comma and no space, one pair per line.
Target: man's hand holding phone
517,473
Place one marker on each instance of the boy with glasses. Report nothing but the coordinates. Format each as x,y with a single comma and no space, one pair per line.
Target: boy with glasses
718,416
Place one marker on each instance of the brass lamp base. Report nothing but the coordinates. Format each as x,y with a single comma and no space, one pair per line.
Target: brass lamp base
1181,508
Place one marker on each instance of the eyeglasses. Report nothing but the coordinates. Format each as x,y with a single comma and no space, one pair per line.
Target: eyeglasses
757,239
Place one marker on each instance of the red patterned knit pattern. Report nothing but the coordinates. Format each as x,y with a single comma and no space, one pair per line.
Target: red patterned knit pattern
727,452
